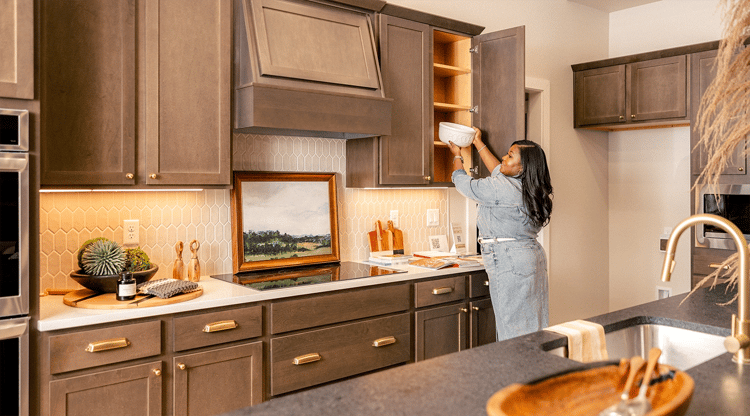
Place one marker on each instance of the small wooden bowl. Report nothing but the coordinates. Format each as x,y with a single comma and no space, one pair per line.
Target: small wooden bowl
589,391
108,284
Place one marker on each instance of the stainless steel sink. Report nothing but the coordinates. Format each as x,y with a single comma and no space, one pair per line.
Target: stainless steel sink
681,348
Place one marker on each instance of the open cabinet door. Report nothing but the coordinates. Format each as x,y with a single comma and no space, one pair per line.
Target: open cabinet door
498,88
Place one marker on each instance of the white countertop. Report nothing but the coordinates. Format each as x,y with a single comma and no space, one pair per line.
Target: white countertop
54,314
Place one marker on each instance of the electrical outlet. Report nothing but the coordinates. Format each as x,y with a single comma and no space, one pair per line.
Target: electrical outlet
433,219
663,292
394,217
130,232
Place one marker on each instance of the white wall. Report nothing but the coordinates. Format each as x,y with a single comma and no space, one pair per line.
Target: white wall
649,170
560,33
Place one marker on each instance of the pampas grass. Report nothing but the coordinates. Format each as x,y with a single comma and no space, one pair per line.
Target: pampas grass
723,121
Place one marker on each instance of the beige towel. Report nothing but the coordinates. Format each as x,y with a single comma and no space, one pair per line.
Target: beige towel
586,341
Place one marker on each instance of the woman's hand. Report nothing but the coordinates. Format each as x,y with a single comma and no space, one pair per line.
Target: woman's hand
477,138
454,149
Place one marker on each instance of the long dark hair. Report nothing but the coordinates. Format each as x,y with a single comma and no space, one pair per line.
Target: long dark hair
535,183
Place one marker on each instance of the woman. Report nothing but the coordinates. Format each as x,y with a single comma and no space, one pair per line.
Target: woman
515,202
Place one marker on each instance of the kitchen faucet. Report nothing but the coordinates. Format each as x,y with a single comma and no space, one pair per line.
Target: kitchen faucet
739,342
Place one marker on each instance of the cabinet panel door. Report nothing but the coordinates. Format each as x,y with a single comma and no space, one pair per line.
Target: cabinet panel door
126,391
483,329
702,73
406,56
218,381
600,96
498,88
87,92
658,89
17,49
440,331
187,92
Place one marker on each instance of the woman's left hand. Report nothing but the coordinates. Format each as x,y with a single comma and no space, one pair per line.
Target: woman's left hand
454,149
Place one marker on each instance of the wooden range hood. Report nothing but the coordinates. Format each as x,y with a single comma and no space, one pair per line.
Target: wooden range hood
308,68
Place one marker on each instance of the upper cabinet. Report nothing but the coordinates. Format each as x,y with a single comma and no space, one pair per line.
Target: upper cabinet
436,70
309,69
632,93
17,49
135,93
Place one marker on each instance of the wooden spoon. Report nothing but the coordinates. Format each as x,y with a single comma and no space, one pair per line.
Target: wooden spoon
620,408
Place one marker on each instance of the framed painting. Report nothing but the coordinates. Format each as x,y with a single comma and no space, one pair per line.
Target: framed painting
283,219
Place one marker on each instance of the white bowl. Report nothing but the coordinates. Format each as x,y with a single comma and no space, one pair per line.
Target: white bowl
459,134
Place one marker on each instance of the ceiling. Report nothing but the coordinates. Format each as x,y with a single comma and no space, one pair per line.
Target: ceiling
613,5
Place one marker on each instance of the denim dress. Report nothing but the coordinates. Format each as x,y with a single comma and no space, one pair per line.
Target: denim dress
517,269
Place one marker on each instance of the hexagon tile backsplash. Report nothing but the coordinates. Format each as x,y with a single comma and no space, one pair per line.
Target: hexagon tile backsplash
67,219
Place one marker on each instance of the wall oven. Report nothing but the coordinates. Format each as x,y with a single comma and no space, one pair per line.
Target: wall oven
14,261
729,201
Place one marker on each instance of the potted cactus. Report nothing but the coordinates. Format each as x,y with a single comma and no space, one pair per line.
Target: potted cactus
102,260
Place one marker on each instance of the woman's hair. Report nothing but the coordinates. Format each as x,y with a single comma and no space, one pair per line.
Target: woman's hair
535,182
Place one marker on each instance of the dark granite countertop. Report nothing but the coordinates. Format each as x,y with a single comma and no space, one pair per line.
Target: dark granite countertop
461,383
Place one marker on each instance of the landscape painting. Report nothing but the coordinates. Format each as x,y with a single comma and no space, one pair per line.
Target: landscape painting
283,219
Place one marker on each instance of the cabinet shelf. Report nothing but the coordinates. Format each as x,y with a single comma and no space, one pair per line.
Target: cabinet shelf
441,70
451,108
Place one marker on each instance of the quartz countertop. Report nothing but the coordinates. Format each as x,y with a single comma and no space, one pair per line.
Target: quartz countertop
55,315
461,383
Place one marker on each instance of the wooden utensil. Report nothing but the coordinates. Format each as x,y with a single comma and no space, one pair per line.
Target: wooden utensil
194,267
640,405
398,239
372,238
379,229
388,237
178,268
620,409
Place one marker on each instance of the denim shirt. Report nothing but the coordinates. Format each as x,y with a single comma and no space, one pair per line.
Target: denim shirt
501,211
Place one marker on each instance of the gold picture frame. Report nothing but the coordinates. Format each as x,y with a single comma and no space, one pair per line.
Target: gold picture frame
283,220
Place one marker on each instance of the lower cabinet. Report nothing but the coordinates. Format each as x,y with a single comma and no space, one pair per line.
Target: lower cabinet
440,330
482,318
126,391
219,380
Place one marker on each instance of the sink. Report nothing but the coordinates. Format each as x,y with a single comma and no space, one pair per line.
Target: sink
681,348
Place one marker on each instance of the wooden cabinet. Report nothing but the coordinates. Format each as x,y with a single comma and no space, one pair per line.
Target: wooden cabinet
135,93
433,76
638,92
17,49
702,73
219,380
125,391
481,313
440,330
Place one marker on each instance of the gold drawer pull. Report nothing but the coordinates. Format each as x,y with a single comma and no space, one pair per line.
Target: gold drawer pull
442,290
307,358
220,326
382,342
181,366
718,266
108,344
486,282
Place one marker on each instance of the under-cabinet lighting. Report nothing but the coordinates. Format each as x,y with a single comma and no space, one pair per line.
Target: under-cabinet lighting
46,191
411,188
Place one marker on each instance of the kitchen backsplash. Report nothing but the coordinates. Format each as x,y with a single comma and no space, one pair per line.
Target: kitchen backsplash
69,219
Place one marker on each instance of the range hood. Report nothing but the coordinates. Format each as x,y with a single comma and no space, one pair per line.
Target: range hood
308,68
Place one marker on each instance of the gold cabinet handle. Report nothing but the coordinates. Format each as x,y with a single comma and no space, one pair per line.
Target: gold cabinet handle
220,326
476,308
381,342
718,266
464,310
632,116
181,366
152,176
129,176
305,359
486,282
156,372
108,344
427,178
741,169
442,290
622,118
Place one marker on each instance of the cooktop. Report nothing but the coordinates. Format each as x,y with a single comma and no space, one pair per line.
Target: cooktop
306,275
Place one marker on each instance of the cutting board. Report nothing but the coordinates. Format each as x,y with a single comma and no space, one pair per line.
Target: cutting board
108,300
398,239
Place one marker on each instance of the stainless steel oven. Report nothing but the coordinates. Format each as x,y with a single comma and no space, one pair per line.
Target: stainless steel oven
729,201
14,262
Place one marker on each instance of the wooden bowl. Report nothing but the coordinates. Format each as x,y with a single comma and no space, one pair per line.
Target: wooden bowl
589,391
108,284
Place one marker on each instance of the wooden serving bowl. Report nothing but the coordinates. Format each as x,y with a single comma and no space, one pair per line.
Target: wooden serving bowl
108,284
589,391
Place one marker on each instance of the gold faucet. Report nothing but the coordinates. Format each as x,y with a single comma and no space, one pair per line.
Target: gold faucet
739,342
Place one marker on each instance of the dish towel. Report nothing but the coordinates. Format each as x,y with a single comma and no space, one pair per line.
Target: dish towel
586,341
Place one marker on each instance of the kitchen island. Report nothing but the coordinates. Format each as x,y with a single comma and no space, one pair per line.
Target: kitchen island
461,383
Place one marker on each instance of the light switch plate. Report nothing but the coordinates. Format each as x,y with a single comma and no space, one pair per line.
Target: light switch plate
433,219
130,232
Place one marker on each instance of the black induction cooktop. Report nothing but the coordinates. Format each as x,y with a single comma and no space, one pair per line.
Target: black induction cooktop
306,275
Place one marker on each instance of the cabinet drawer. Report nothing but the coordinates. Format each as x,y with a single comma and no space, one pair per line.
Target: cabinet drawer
338,307
706,260
479,285
439,291
217,327
85,349
341,351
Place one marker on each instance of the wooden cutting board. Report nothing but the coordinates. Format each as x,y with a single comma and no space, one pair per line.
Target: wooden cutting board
80,299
